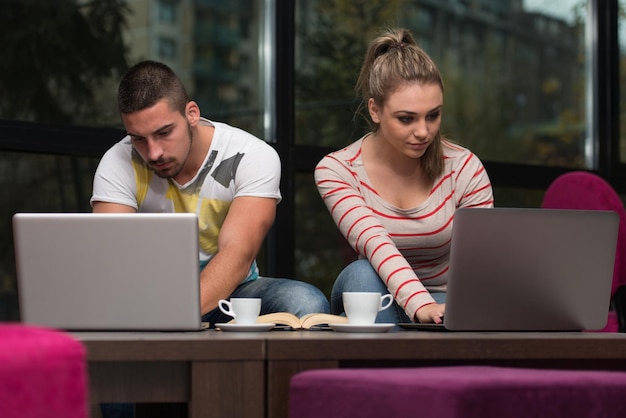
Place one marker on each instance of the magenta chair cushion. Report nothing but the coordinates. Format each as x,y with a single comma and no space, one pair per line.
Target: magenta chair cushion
457,392
42,373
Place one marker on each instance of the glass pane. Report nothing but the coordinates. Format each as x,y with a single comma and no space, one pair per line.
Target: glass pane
517,197
514,72
59,59
36,183
212,45
320,249
69,76
226,67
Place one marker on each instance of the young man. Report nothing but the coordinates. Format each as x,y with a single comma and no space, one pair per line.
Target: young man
173,160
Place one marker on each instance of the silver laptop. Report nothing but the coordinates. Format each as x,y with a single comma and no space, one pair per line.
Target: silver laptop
529,270
83,271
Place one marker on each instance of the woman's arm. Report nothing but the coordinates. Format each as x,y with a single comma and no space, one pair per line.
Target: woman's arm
341,192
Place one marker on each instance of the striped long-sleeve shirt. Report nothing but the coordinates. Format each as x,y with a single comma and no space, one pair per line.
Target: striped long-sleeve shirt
409,248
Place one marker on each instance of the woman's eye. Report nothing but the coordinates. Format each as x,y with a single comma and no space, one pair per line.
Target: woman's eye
405,119
433,116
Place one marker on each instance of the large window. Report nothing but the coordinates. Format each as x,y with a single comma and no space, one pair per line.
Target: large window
515,76
514,72
526,82
61,62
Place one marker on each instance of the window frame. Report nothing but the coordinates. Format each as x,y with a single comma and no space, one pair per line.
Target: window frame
297,159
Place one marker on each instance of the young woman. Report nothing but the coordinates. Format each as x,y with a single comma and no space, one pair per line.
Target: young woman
393,193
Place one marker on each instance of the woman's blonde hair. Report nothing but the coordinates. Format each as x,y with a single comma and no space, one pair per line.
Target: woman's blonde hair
394,59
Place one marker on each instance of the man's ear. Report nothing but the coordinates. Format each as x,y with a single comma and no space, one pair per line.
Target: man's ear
374,110
192,113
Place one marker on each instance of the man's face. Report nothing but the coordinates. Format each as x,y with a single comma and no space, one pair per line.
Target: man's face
161,136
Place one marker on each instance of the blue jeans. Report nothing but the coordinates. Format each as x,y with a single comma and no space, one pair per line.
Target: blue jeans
360,276
278,295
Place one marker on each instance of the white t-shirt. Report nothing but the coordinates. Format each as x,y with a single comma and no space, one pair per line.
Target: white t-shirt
237,164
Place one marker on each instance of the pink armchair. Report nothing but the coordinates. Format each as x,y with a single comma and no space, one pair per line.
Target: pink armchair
42,373
457,392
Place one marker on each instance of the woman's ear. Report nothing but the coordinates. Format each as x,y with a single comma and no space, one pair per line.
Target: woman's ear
192,113
374,110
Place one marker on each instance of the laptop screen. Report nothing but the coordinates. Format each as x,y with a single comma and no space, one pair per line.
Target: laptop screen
530,269
108,271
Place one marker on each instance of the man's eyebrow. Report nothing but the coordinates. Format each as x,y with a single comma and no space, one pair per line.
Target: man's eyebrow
162,128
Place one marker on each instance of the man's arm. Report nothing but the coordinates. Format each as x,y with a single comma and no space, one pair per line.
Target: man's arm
240,239
106,207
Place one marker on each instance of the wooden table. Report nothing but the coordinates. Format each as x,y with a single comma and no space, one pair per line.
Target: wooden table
216,374
247,374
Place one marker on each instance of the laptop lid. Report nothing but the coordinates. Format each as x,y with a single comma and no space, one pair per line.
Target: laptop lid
83,271
530,269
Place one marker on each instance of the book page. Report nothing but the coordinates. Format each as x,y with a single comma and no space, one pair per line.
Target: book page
317,319
280,318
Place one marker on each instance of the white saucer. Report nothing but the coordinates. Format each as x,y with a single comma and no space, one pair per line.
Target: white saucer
361,328
245,327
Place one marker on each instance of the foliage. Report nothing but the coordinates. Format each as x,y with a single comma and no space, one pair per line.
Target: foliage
514,92
56,59
334,38
55,54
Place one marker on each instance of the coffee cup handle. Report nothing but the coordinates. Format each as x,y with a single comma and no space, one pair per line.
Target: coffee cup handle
226,307
385,304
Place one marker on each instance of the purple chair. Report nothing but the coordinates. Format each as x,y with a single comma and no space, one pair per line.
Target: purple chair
457,392
42,373
584,190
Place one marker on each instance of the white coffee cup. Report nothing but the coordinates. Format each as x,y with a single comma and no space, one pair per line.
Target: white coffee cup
244,310
362,307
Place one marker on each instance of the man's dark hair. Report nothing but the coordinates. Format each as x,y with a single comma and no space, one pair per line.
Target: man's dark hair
148,82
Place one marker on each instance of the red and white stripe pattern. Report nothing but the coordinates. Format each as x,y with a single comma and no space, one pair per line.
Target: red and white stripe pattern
409,248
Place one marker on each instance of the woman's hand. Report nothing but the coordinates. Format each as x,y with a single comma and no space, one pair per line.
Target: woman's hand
431,313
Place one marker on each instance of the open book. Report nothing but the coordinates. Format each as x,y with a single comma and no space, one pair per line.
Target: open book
309,321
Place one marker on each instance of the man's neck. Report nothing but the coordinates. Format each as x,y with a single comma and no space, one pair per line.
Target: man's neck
202,137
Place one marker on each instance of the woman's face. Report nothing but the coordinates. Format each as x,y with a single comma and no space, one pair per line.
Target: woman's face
410,118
